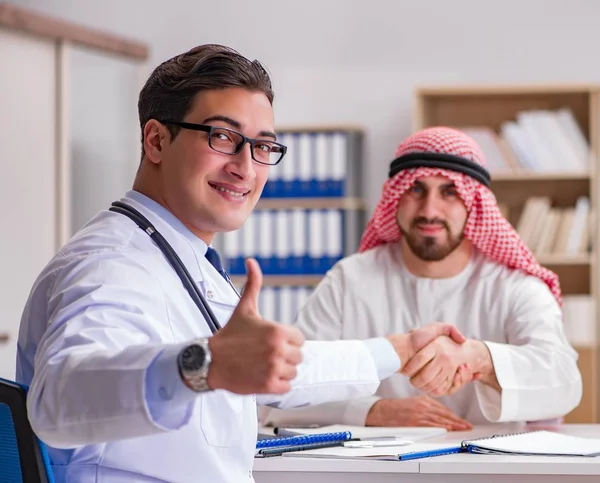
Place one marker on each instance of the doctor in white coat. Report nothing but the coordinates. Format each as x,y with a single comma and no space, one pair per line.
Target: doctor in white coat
129,380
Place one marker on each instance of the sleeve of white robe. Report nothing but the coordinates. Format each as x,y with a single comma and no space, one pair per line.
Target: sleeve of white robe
321,319
89,383
537,370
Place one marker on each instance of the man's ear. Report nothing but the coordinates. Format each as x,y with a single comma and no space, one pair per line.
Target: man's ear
156,136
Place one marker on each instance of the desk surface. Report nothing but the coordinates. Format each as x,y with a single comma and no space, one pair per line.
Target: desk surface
456,464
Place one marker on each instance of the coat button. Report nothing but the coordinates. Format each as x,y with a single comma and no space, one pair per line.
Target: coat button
209,294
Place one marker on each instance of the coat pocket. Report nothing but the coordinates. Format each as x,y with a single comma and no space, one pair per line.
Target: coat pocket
222,416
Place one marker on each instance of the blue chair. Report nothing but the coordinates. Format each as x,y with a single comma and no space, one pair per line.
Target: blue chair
23,457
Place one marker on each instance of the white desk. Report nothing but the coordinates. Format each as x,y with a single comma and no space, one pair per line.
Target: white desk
456,468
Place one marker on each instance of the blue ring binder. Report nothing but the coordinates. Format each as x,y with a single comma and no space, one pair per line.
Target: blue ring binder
304,439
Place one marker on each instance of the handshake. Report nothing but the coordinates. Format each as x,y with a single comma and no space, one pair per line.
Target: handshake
253,356
438,359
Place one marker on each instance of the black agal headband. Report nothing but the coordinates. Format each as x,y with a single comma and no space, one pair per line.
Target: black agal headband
443,161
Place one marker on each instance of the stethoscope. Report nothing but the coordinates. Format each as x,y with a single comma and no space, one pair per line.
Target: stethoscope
174,260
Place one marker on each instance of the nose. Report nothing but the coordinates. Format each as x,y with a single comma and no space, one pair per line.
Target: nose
430,206
241,165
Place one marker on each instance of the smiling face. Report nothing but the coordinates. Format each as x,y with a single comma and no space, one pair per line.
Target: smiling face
209,191
431,217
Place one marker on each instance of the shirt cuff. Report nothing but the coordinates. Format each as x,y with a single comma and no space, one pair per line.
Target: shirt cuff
170,402
495,406
385,357
357,410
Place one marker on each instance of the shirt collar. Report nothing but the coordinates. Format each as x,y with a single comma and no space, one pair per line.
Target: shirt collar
161,212
188,246
460,277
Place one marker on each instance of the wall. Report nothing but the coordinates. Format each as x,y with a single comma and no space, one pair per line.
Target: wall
334,61
104,135
27,160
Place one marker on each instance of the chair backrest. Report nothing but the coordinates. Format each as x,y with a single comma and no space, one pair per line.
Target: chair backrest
23,457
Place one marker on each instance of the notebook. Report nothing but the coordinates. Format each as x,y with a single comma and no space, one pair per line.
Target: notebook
389,453
279,445
362,432
538,443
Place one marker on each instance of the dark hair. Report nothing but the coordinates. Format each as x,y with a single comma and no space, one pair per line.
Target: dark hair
172,87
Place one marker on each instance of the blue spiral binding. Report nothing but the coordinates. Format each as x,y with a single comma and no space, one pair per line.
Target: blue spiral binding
304,439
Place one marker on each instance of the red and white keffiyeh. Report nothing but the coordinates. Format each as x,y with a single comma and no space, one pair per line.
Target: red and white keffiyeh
486,228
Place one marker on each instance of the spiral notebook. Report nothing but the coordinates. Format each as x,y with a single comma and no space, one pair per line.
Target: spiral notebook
534,443
277,446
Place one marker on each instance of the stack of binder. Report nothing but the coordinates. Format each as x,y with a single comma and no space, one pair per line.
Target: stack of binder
288,242
321,219
316,165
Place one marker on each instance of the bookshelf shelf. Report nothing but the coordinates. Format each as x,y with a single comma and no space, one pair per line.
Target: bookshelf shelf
525,176
311,203
560,260
283,280
542,144
321,128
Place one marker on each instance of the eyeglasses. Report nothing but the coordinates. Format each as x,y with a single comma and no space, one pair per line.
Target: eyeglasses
228,141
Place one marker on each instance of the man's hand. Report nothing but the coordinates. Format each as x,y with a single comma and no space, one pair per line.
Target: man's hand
415,411
251,355
434,369
463,376
407,345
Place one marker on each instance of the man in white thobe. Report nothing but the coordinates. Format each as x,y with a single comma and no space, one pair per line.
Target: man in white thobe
438,249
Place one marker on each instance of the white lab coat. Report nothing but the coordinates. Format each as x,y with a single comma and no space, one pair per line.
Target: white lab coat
101,313
372,294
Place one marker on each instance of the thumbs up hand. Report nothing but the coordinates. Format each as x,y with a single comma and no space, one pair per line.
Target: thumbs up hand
251,355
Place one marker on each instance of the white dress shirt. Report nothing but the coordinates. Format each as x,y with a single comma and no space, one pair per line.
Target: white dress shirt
372,294
98,343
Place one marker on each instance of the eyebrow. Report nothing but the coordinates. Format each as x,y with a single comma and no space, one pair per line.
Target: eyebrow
235,124
445,185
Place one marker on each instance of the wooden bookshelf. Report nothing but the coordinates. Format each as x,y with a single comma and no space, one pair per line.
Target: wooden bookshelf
490,107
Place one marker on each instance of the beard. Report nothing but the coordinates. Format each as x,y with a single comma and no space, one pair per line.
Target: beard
429,248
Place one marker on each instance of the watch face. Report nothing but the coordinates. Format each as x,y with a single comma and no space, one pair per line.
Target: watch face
192,358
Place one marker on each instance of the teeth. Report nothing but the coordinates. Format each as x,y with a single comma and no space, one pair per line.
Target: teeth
232,193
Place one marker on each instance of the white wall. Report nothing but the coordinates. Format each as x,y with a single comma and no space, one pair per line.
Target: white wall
337,61
28,222
104,135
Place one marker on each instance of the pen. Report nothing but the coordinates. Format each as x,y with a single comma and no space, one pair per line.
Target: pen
376,443
427,454
286,432
290,431
385,438
279,450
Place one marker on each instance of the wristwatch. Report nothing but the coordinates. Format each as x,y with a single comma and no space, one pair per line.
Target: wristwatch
194,361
